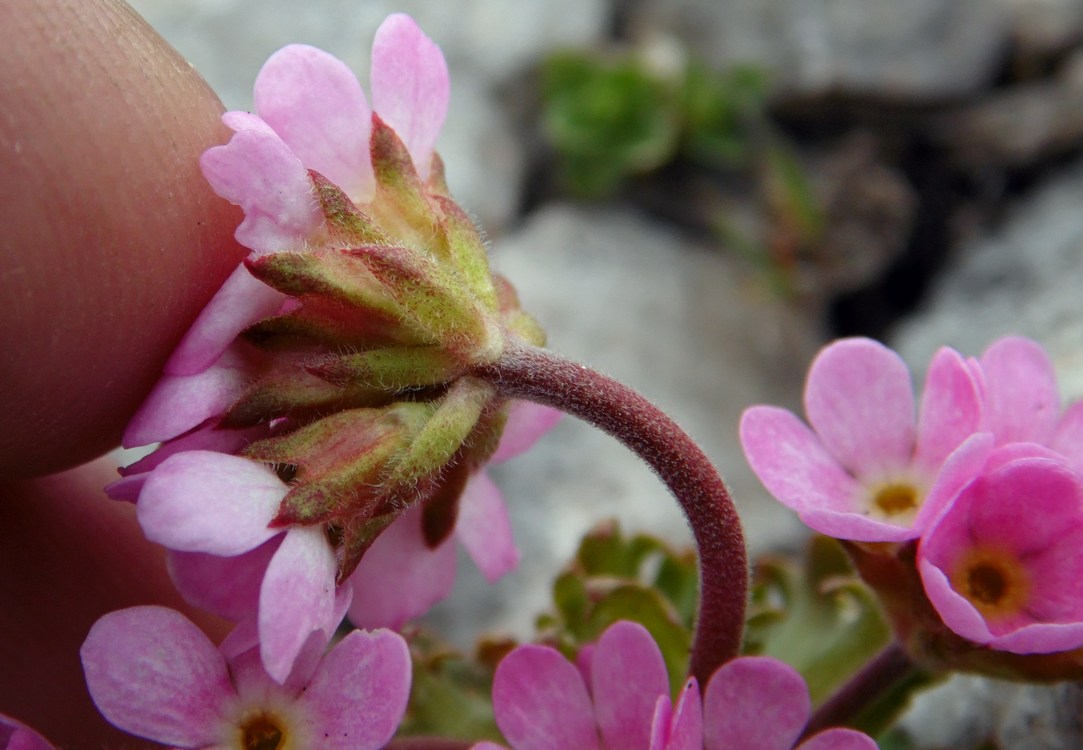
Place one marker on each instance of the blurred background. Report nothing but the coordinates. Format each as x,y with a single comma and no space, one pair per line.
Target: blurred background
694,195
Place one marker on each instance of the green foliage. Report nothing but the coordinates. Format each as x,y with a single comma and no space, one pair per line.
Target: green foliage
612,118
636,578
816,615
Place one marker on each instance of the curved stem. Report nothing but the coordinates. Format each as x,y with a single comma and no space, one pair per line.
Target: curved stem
873,696
538,375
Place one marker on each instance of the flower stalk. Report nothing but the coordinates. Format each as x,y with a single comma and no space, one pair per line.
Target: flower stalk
532,373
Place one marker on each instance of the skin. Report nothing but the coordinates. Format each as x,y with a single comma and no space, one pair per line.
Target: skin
112,242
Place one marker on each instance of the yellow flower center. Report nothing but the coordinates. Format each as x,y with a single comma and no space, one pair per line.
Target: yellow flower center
894,501
993,580
263,731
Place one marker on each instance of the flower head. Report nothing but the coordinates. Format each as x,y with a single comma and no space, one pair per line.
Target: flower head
866,467
621,701
1003,565
152,673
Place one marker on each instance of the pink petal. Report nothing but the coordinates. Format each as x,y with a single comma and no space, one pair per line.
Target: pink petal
839,739
15,735
960,468
1021,397
1068,437
628,675
796,468
180,402
154,674
315,103
297,598
686,724
257,171
950,410
754,702
484,528
399,577
527,422
410,86
487,746
202,501
541,703
240,302
126,489
227,586
207,438
860,401
663,715
358,695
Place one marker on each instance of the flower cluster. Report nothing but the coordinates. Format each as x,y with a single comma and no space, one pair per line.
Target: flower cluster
321,435
618,697
979,496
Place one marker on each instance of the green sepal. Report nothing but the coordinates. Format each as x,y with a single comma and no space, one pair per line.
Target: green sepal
332,274
434,446
389,369
289,391
400,204
465,249
332,324
433,303
341,461
347,224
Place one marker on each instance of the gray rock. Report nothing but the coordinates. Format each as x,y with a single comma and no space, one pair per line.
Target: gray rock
918,49
682,324
1044,27
1022,278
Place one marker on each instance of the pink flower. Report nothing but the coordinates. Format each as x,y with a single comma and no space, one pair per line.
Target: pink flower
401,577
1003,564
621,702
219,505
311,114
154,674
15,735
866,468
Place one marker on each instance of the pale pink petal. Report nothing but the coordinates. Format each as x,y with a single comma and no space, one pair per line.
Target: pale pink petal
663,715
308,659
358,694
754,702
209,437
1022,402
956,611
257,171
154,674
400,577
860,401
410,86
315,103
1068,437
950,410
793,464
240,302
15,735
960,468
686,724
484,527
227,586
180,402
297,598
126,489
202,501
527,422
627,676
541,703
839,739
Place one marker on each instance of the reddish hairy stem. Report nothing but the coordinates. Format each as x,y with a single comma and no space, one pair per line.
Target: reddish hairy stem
538,375
886,671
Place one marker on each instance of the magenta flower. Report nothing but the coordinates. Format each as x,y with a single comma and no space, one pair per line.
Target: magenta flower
222,506
1003,564
311,114
621,702
15,735
154,674
401,577
866,468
